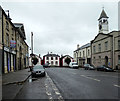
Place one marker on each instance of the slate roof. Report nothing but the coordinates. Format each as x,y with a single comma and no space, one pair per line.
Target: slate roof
66,56
84,46
54,55
20,28
103,15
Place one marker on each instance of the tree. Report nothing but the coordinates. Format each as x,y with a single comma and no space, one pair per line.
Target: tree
34,60
67,60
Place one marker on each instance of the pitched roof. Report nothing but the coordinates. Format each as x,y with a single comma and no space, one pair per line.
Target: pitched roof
54,55
100,34
66,56
20,28
103,15
84,46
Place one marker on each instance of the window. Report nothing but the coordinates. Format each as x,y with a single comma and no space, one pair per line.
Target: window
94,60
118,59
47,58
56,62
7,39
56,58
106,45
88,52
51,62
83,54
100,58
7,25
80,54
94,49
99,47
119,44
51,58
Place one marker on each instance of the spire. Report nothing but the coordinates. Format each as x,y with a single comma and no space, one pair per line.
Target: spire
103,14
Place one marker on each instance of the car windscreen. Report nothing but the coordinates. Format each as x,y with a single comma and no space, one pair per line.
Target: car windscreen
74,63
86,65
38,67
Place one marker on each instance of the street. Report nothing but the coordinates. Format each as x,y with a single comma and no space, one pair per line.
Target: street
66,83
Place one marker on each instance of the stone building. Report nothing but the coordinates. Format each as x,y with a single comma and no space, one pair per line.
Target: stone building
8,43
21,47
105,48
82,54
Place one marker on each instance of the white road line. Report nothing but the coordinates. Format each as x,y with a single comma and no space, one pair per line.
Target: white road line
56,91
74,73
116,85
90,78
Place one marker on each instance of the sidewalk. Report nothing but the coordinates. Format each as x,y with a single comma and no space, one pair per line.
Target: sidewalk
10,88
18,76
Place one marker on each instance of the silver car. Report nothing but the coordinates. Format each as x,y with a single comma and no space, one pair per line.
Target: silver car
38,70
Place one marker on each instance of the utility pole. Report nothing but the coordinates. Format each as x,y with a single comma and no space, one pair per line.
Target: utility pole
31,51
31,42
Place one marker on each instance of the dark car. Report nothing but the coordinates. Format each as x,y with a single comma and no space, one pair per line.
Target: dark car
38,70
46,65
104,68
89,67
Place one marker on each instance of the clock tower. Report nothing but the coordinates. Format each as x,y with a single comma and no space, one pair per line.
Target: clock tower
103,23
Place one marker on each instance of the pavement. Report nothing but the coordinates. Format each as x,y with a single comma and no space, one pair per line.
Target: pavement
13,82
14,77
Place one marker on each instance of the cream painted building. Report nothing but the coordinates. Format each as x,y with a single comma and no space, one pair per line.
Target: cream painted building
12,44
105,48
82,54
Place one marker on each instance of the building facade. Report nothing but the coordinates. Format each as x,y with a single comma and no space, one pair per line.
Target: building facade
21,47
105,48
52,59
8,43
82,54
62,60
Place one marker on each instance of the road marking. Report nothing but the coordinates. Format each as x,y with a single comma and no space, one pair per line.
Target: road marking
90,78
49,84
116,85
74,73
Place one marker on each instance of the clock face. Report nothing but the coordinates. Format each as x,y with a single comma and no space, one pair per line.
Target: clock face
100,27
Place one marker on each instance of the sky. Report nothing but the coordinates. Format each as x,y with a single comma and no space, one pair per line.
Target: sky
59,26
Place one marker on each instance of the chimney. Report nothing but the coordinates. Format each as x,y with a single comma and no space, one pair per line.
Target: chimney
77,46
39,55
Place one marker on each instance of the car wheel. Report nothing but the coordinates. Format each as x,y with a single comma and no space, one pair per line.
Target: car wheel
44,74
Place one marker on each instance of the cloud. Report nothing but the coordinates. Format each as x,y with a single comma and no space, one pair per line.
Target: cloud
60,26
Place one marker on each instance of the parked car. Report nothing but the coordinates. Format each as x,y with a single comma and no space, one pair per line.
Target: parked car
104,68
73,65
89,67
46,65
38,70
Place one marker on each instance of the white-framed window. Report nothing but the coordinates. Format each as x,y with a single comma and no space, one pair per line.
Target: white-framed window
51,62
56,58
51,58
56,62
88,52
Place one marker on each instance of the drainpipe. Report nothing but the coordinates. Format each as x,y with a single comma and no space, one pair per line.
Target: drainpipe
113,53
2,44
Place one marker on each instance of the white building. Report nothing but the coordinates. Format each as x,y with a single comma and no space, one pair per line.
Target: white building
52,59
63,63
